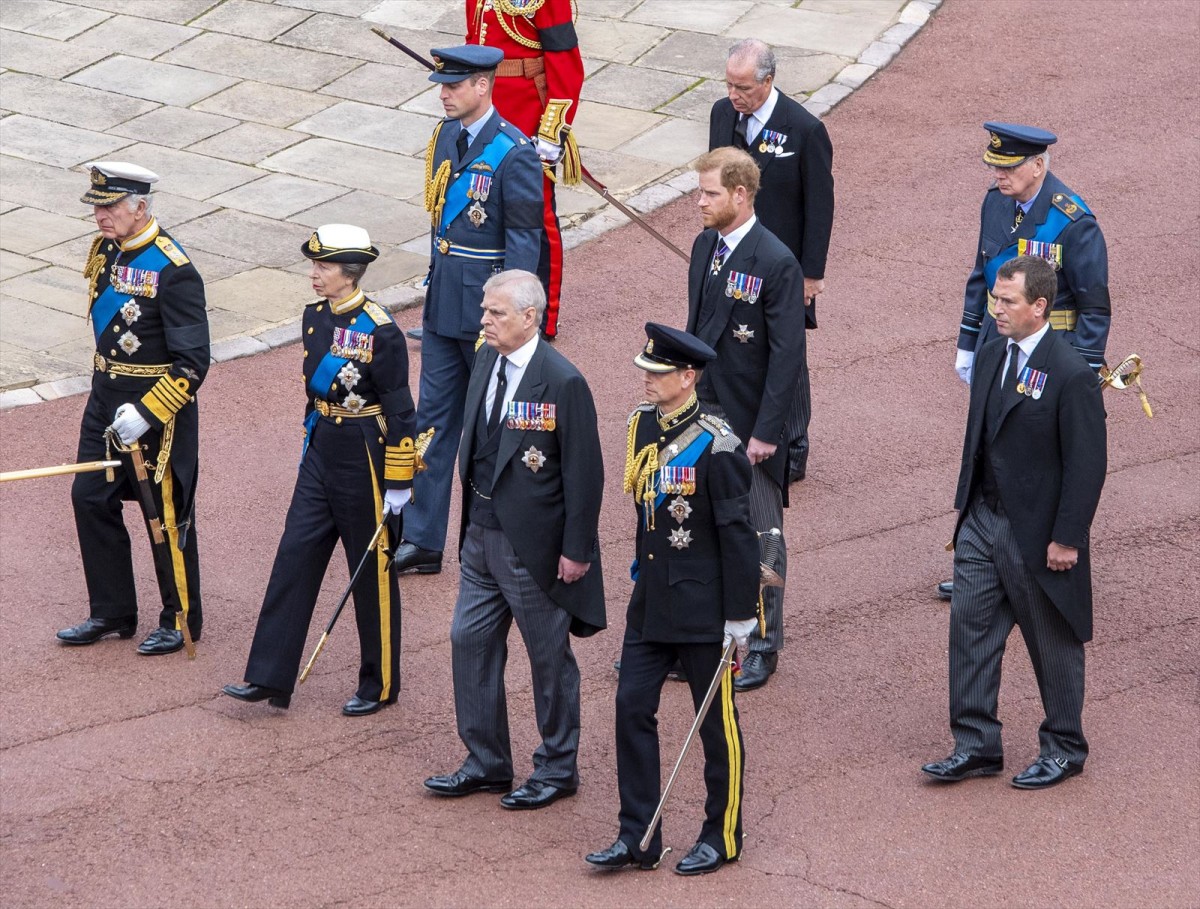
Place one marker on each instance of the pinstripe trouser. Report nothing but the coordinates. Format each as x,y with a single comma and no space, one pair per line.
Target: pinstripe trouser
766,511
993,590
495,589
796,428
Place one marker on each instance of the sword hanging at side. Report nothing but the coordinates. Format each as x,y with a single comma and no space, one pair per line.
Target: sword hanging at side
1126,373
34,473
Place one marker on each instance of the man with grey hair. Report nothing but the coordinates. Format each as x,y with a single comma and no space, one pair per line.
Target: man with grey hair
147,310
532,478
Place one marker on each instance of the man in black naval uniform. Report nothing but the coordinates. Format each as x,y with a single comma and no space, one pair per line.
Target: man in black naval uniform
795,197
356,469
1029,211
695,581
146,306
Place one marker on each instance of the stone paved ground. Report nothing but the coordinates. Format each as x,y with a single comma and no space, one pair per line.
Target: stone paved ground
266,119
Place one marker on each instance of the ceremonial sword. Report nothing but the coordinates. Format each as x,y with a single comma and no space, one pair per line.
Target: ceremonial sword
59,470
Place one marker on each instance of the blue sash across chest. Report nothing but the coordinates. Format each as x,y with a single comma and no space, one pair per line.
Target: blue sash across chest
687,458
327,369
456,193
1047,232
109,303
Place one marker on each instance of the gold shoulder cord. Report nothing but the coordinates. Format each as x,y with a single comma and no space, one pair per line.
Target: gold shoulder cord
506,8
640,468
92,270
435,184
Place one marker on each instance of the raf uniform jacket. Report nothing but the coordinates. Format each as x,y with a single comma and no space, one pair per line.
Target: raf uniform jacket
508,236
1049,456
152,347
548,483
1082,271
759,341
795,199
697,560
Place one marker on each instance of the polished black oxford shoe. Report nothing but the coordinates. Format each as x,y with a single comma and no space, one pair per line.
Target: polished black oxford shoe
163,640
357,706
255,693
961,765
458,783
701,859
92,630
757,668
1046,772
618,855
534,794
412,559
945,590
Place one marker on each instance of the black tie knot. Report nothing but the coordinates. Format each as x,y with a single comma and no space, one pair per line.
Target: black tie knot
463,143
498,400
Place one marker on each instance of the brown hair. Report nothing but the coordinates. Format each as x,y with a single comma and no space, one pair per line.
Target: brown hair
737,169
1041,281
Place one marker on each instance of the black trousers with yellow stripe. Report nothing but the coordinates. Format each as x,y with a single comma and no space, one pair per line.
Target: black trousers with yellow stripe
337,497
644,668
104,541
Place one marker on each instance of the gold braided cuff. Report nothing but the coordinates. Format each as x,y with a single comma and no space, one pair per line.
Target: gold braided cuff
167,397
400,461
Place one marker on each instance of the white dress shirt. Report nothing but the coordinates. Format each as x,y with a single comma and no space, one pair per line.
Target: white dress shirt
518,360
734,237
1024,348
756,121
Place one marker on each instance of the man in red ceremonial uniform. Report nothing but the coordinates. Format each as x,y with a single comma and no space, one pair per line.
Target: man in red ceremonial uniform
537,90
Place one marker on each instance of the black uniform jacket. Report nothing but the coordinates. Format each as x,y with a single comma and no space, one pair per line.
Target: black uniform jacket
698,566
758,344
1050,456
554,510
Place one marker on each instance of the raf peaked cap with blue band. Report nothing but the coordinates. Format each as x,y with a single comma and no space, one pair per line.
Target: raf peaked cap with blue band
668,349
456,63
112,181
340,243
1011,143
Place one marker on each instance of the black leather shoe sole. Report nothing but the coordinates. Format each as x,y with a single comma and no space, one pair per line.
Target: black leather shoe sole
977,768
160,642
442,786
618,855
525,799
1050,775
74,637
252,694
357,706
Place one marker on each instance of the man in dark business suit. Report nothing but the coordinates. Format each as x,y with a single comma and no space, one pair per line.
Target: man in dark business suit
795,200
745,301
1033,466
532,477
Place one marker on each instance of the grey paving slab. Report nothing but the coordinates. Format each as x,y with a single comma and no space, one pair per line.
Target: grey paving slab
247,143
152,80
696,102
27,230
626,86
844,34
174,127
213,267
376,127
394,266
71,255
262,241
385,219
802,71
267,294
278,195
16,396
340,7
616,41
188,174
246,59
13,264
606,126
134,36
222,324
691,53
696,17
378,83
44,56
417,14
172,209
272,105
35,327
427,103
62,102
21,367
392,175
620,172
41,186
54,143
61,289
77,348
235,348
886,8
48,18
281,336
177,11
352,38
251,19
675,142
610,9
63,388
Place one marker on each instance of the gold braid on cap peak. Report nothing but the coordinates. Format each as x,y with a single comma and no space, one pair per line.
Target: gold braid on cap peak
640,468
435,184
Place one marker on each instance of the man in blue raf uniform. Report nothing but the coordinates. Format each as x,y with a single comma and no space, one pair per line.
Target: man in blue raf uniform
484,195
356,468
1030,212
695,581
146,306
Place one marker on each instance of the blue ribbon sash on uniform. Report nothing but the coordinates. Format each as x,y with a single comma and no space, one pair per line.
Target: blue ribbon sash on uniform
687,458
1047,232
109,303
457,193
327,370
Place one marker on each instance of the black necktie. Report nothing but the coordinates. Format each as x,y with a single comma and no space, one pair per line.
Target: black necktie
739,133
1018,218
462,144
498,401
1010,371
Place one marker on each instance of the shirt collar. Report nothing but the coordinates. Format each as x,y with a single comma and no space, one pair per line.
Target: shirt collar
346,304
522,355
474,128
763,114
733,238
142,237
1025,206
1028,344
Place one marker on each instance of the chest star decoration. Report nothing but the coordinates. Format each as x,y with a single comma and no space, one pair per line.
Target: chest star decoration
353,403
533,459
130,312
680,538
129,343
743,333
680,509
349,375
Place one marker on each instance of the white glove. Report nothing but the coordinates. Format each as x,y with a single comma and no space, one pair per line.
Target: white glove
964,362
129,424
739,631
395,499
548,151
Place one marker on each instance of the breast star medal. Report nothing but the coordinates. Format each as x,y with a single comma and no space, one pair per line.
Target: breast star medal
680,538
129,343
130,312
353,403
349,375
476,214
680,509
533,459
743,333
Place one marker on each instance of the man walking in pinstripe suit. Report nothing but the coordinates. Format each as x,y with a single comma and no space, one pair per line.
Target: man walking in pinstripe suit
1033,466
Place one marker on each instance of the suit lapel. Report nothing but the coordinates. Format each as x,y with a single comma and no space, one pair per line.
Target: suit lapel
531,388
741,259
1037,360
780,123
476,394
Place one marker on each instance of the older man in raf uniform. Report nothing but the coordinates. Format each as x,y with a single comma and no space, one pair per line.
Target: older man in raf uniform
146,306
485,198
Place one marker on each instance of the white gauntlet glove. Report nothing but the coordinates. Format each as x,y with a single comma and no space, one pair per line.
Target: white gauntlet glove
395,499
739,631
548,151
964,362
129,424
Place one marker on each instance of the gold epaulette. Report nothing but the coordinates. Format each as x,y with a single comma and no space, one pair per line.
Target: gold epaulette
376,312
167,397
724,438
170,250
435,184
1067,206
93,267
400,461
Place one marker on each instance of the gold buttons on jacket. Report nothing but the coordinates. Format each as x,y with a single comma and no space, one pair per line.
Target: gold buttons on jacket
320,306
310,331
651,557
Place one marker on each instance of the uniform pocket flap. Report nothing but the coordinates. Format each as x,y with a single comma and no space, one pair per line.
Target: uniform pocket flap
703,570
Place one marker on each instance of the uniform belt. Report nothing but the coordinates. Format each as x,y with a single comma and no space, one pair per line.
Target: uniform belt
1060,319
446,248
102,364
325,409
527,67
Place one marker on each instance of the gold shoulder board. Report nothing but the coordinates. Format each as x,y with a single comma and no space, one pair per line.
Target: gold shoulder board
171,251
376,312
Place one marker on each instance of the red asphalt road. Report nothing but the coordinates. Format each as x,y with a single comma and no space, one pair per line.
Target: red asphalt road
128,781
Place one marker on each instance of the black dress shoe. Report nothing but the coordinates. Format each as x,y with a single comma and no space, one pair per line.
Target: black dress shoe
92,630
255,693
961,765
757,668
701,859
946,590
412,559
534,794
1046,772
458,783
415,333
618,855
161,641
357,706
